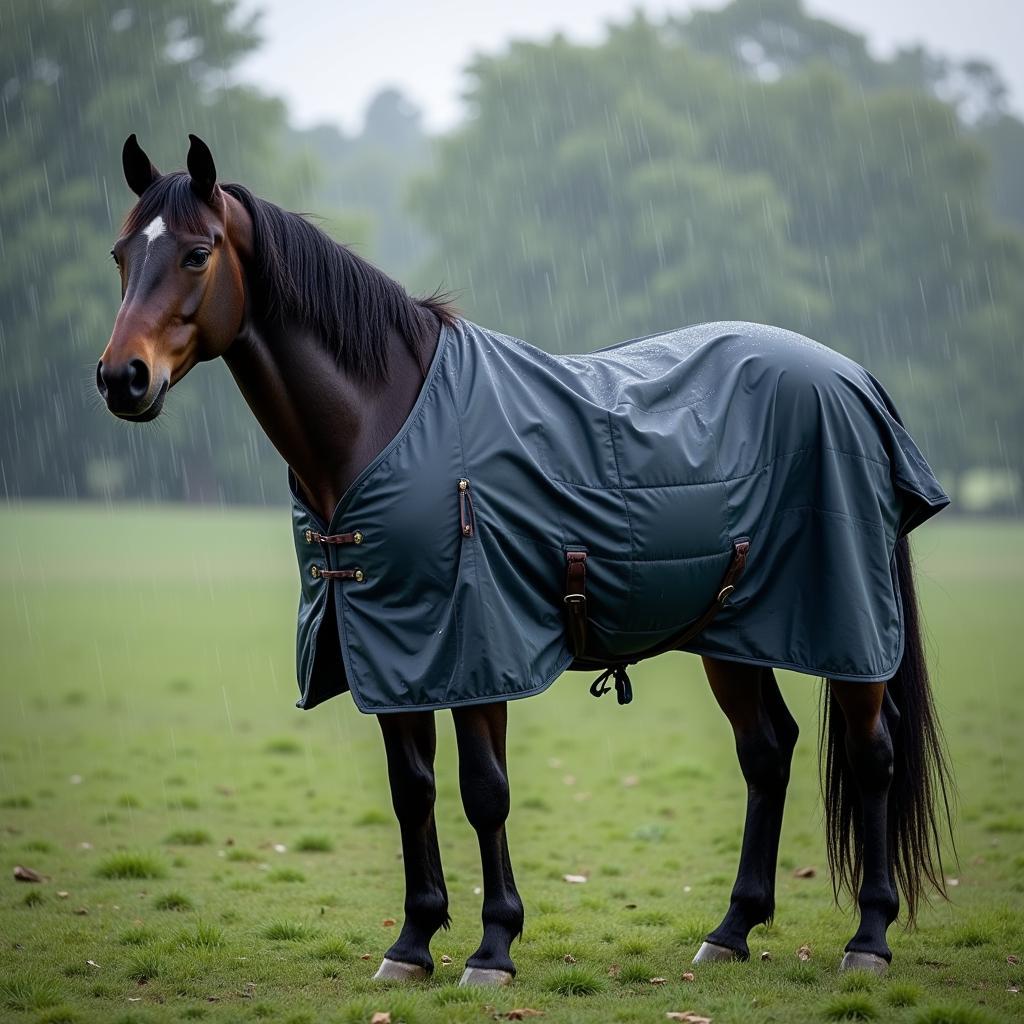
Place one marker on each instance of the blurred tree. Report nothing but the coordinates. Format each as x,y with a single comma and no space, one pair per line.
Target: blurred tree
584,200
79,76
770,39
370,172
601,192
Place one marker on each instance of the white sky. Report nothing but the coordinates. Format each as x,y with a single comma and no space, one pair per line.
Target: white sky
329,57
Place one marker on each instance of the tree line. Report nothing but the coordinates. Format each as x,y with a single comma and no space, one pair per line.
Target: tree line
746,163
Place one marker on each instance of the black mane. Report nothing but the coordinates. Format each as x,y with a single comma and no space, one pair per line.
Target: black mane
302,275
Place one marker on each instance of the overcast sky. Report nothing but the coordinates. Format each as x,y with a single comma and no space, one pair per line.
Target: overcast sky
328,57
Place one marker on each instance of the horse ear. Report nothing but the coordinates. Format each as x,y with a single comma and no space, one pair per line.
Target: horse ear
139,172
201,168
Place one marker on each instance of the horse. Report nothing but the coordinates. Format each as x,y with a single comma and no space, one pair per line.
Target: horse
335,359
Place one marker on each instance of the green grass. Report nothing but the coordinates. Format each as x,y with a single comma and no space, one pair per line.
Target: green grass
229,858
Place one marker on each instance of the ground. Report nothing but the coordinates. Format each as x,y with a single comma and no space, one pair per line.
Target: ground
209,852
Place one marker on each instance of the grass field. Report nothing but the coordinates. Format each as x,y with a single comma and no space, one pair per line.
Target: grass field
210,853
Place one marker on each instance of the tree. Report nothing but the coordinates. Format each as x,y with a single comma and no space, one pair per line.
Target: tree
583,201
370,172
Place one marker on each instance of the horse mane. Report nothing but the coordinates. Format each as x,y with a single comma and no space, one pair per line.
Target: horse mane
301,274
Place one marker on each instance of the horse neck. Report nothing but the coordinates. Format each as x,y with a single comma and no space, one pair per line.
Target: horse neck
326,425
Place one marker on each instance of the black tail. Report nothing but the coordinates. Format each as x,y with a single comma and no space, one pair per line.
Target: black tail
919,812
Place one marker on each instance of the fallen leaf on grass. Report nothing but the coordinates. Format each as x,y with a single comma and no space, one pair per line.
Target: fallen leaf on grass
569,958
766,955
807,872
687,1017
657,981
366,956
521,1014
388,922
1013,960
82,911
63,895
614,971
575,879
92,963
446,959
688,975
803,953
381,1017
26,874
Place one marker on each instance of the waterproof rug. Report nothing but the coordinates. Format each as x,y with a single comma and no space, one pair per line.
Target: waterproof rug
728,489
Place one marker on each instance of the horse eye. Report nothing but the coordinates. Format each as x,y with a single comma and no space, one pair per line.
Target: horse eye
197,258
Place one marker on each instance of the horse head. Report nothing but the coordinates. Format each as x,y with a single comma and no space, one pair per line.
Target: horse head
182,283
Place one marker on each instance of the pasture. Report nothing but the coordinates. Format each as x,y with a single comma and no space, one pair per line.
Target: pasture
210,853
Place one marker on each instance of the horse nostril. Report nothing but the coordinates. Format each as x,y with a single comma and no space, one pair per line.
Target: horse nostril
138,379
101,384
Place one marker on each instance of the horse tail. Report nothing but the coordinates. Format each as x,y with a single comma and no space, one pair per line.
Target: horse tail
919,795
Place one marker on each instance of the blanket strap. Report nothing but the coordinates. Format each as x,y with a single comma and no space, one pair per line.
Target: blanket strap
319,573
576,603
355,537
575,600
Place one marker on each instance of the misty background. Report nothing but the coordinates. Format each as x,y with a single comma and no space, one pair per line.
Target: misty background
638,170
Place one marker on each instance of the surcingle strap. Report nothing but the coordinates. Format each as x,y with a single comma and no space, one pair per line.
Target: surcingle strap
575,600
576,585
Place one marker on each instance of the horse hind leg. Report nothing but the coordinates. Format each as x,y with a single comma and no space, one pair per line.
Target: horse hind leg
766,734
870,721
410,741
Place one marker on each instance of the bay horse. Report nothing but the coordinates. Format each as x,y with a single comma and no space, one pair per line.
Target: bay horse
333,357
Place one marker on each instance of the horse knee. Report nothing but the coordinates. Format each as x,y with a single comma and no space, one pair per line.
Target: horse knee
872,757
765,757
486,798
413,795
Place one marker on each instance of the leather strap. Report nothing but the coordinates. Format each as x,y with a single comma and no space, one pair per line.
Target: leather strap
575,600
355,537
732,575
319,573
616,670
467,520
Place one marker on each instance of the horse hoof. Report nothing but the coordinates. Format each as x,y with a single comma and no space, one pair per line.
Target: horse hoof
485,976
395,970
854,961
709,953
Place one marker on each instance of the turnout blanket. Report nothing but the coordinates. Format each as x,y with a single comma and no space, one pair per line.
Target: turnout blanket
730,466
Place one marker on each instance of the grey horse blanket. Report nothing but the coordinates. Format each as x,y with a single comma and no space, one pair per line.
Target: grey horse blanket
444,576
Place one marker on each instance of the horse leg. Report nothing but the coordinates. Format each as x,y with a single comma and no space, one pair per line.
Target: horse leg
869,751
483,779
766,734
409,740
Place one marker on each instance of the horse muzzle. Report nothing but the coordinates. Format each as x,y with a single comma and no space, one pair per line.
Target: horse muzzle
130,391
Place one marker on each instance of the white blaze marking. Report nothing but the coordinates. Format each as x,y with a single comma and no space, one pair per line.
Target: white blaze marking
153,230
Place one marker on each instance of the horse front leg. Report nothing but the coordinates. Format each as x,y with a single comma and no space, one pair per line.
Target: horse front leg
410,741
766,734
483,780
